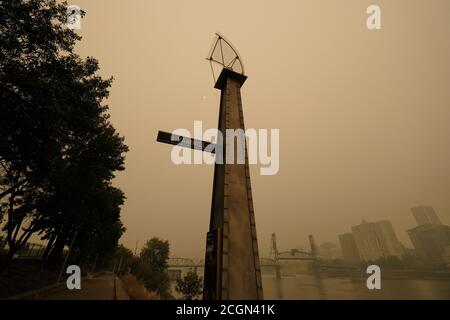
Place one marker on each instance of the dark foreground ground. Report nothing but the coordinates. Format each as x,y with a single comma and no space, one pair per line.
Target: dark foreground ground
24,280
24,276
101,287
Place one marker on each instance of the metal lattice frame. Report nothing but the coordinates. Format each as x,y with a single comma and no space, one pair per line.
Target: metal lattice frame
229,60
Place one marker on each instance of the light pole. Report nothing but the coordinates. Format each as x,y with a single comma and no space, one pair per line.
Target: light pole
67,256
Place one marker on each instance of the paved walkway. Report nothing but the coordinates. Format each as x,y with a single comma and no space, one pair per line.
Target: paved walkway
98,288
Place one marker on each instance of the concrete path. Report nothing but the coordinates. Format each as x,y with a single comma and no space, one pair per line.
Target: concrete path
98,288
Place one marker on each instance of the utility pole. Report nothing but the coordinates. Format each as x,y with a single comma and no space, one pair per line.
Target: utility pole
95,263
67,256
120,265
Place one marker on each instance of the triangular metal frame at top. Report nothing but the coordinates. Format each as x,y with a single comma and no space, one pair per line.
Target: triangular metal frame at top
225,62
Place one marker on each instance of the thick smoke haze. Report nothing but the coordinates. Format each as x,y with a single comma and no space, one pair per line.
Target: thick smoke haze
363,115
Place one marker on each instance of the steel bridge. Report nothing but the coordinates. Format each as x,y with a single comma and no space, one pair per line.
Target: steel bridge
177,262
293,254
274,259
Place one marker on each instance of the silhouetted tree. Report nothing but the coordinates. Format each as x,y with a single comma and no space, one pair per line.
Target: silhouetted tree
58,150
190,286
152,266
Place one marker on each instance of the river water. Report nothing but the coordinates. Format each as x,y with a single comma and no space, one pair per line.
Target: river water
306,286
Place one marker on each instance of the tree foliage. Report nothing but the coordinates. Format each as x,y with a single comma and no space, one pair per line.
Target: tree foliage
190,286
58,149
151,268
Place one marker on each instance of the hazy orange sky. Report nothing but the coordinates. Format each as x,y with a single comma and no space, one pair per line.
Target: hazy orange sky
363,115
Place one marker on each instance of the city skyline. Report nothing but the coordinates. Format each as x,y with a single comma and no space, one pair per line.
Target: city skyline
344,238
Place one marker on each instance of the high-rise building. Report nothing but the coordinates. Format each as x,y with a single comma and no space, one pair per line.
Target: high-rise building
446,255
425,215
430,240
348,246
393,245
329,251
375,240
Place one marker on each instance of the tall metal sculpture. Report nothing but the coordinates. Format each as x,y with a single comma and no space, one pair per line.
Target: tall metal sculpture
232,268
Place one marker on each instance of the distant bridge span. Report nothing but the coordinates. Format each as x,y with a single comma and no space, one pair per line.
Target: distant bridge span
272,261
177,262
